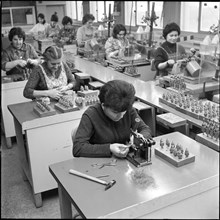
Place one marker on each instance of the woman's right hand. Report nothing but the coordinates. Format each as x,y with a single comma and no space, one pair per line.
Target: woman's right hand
55,93
119,150
21,63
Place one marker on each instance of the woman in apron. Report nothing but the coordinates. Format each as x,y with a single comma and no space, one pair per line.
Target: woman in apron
50,79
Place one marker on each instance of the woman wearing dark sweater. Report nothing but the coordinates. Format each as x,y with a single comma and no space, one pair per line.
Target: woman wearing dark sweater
50,79
169,52
105,127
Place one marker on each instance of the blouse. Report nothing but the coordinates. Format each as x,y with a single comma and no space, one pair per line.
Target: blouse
53,31
67,33
84,34
40,29
113,44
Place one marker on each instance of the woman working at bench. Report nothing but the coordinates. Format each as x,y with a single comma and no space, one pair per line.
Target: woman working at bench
105,127
50,79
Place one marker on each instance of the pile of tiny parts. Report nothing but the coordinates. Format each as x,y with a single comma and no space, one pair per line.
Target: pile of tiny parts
141,178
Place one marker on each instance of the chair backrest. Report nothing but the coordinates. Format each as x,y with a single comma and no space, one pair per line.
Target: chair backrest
73,133
152,66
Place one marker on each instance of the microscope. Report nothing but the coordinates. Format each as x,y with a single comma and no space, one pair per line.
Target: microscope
140,151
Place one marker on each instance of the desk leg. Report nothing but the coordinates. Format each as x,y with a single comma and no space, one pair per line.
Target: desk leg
24,161
38,200
65,204
8,142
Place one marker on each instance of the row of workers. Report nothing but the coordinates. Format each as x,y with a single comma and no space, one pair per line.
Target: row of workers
104,128
21,54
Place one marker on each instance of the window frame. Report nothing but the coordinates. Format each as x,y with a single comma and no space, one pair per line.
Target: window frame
106,9
11,16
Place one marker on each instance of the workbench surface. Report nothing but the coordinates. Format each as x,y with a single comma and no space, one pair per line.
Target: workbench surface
128,199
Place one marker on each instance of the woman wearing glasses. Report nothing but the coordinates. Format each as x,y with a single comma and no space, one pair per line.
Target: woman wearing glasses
115,45
50,79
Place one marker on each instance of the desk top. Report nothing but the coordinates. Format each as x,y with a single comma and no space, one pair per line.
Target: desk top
25,115
127,199
13,85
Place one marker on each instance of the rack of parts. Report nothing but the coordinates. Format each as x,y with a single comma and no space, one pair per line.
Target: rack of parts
65,104
174,153
42,109
187,104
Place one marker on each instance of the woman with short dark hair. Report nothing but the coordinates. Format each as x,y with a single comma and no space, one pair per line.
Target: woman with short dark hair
50,79
18,55
67,34
169,52
87,31
105,127
115,45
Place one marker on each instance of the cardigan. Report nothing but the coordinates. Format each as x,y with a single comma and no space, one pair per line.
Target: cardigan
96,131
36,80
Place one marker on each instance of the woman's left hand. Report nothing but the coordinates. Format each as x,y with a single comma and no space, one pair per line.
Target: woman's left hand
63,88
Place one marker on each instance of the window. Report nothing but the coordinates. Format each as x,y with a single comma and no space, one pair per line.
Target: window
136,10
74,9
18,16
101,8
209,10
199,16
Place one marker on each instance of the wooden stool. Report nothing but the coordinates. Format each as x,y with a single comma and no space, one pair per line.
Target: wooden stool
209,142
149,118
95,85
173,121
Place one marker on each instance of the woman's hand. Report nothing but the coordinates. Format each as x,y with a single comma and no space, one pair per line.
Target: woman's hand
170,62
21,63
119,150
55,93
63,88
31,61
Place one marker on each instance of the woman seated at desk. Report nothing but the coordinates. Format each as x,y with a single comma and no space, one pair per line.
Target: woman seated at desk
87,31
50,79
53,28
67,34
104,128
18,55
169,52
115,45
40,29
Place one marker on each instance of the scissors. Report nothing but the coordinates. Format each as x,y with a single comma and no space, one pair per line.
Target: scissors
111,163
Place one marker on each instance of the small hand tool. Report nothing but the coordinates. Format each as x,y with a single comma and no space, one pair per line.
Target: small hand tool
111,163
107,185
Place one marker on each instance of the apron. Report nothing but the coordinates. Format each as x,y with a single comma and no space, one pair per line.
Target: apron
167,70
53,82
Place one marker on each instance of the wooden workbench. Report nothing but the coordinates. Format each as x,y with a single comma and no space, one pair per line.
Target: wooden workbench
189,191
